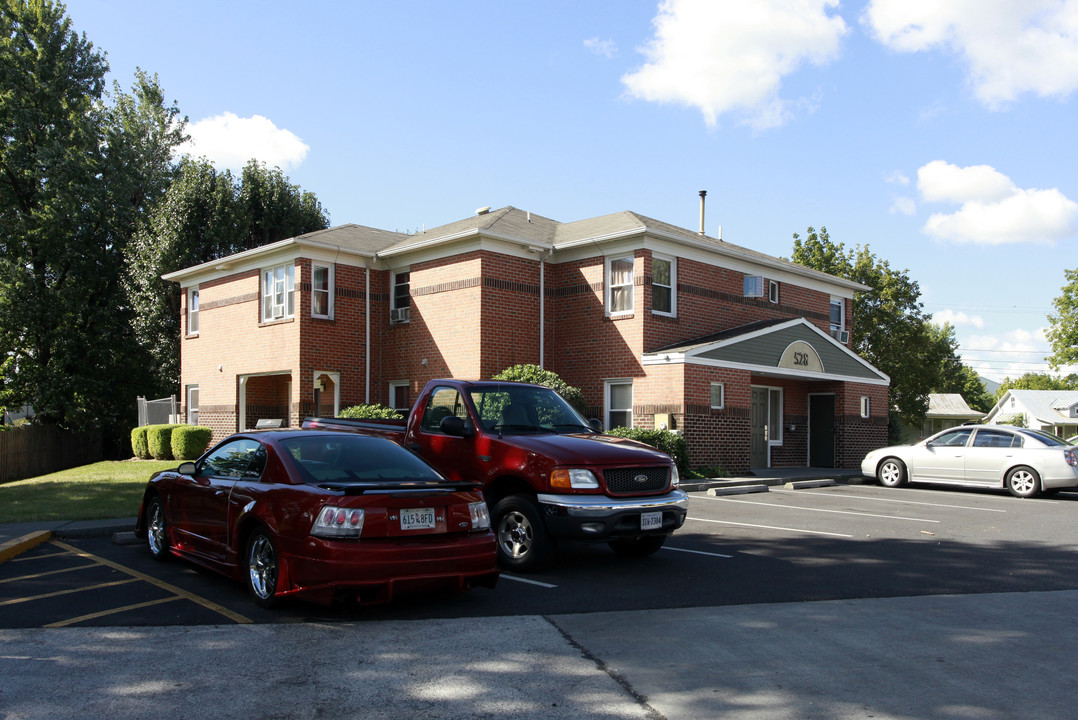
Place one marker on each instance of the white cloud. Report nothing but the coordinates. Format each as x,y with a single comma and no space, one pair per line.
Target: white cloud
957,319
229,141
903,206
1008,46
723,57
994,211
897,178
605,48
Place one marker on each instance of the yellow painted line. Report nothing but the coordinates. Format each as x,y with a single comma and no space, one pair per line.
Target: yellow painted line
46,574
58,593
198,599
21,544
113,611
40,556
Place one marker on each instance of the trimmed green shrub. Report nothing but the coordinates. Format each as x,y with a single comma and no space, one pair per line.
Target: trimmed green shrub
190,441
538,376
138,443
373,411
159,441
669,442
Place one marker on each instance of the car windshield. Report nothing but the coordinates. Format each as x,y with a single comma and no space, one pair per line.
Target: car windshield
525,409
1047,439
354,459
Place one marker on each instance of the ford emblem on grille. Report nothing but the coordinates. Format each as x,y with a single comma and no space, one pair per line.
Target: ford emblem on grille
640,479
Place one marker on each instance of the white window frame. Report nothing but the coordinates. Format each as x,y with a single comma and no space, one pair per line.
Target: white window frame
753,286
722,395
609,299
279,280
395,316
328,267
192,405
773,291
393,387
192,311
607,397
841,302
672,287
866,406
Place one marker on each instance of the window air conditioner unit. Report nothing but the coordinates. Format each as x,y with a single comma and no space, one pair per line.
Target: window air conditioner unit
398,315
843,336
278,313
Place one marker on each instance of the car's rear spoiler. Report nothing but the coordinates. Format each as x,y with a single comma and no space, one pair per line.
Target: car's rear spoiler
349,488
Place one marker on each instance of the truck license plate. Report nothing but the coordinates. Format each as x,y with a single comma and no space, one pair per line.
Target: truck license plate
417,519
651,521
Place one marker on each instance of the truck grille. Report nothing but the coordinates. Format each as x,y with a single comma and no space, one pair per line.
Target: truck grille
630,481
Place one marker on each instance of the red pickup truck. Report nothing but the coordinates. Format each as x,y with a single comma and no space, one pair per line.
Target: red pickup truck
547,473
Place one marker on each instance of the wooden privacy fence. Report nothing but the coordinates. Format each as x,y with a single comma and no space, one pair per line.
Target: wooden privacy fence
40,449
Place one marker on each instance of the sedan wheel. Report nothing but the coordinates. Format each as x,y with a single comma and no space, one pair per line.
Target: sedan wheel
1023,482
262,568
156,529
892,473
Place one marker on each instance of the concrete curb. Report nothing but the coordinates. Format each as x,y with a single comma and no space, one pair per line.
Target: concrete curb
19,545
736,490
802,484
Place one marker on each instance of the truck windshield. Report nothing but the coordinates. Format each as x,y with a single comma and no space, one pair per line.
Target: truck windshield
525,409
348,458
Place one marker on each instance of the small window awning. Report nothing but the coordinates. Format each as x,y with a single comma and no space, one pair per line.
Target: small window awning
793,348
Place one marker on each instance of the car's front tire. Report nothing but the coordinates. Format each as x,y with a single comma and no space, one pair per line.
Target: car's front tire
523,542
1024,482
156,529
892,473
263,567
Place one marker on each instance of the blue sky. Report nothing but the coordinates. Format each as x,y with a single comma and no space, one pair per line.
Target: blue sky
940,133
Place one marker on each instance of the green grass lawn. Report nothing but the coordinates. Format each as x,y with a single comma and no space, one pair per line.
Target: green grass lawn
101,491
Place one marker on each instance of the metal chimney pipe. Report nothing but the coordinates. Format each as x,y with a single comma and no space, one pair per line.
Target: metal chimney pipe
703,195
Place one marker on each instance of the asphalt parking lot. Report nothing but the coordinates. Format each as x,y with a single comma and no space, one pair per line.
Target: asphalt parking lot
778,546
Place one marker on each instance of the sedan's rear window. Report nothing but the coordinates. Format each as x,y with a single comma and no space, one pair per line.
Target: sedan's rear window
346,458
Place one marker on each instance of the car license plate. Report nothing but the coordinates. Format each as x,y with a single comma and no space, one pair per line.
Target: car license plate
417,519
651,521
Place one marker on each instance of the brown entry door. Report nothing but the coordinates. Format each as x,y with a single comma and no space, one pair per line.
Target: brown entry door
758,434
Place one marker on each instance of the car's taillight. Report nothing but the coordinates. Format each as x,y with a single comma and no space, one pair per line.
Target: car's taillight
1072,457
335,522
480,515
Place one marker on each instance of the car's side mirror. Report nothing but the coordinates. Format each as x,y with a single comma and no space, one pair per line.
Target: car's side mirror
458,427
186,468
596,424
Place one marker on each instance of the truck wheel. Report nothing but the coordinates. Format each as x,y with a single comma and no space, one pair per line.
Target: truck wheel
641,546
523,543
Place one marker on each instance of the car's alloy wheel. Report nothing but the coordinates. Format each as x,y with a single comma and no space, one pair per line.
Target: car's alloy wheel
262,568
892,473
156,529
1023,482
523,543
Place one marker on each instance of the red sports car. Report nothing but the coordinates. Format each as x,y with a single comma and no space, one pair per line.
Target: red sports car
322,515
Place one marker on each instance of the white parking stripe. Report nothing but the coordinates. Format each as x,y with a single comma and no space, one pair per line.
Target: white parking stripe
846,495
770,527
697,552
507,576
809,509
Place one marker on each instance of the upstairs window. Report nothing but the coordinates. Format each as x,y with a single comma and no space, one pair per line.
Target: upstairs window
838,314
754,286
321,291
279,293
192,311
773,291
619,294
402,298
663,282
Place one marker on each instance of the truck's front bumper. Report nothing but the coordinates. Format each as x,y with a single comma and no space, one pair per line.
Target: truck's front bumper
600,518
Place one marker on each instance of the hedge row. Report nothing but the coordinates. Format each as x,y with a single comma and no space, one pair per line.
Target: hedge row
669,442
170,442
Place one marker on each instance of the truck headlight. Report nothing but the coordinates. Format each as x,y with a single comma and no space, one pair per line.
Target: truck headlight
575,478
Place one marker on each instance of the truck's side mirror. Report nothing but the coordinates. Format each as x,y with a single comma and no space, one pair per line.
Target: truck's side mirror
456,426
596,424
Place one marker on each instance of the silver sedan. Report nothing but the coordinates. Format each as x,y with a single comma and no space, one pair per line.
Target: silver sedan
1026,462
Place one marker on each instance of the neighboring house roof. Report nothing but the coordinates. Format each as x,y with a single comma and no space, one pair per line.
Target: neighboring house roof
950,406
783,347
515,226
1047,407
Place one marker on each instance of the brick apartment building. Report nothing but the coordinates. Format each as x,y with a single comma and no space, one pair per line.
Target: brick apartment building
745,353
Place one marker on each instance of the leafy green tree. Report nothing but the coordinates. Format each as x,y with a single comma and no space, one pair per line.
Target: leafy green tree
538,376
77,174
204,215
1063,330
954,376
891,329
1038,381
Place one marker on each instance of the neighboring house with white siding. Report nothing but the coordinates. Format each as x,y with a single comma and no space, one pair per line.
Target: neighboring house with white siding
1053,411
